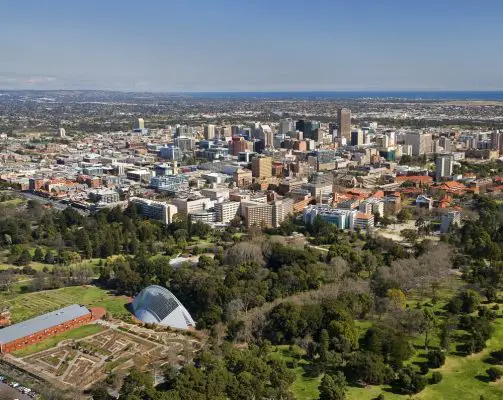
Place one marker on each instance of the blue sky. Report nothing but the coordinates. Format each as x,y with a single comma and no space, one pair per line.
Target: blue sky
224,45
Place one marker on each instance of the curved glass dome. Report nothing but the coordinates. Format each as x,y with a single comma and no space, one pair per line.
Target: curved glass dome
158,305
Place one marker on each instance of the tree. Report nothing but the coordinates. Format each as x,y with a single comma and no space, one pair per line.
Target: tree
404,215
494,373
100,393
397,298
49,257
25,258
38,255
410,235
333,387
436,358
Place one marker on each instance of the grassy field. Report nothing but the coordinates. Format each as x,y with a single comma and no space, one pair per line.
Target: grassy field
28,305
464,378
77,333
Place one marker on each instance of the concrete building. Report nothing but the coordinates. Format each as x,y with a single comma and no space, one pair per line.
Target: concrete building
262,167
266,214
107,196
363,221
62,132
242,178
343,219
209,131
422,143
344,123
372,206
281,209
444,166
138,125
171,153
446,144
449,219
357,138
188,205
139,175
226,211
205,216
286,126
157,210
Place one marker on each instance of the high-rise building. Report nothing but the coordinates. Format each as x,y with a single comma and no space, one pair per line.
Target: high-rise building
496,140
357,138
139,124
238,145
344,123
262,167
184,143
444,166
308,128
422,143
267,135
286,126
209,131
226,131
61,132
446,144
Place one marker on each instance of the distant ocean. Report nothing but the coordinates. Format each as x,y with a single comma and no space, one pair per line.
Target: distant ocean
354,95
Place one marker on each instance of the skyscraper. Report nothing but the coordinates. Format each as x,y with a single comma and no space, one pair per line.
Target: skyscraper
357,138
344,121
139,124
444,166
209,131
496,140
286,126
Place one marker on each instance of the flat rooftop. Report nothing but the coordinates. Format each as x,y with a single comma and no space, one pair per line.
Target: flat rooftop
42,322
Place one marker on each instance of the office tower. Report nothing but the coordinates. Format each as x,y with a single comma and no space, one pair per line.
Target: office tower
286,126
344,123
357,138
422,143
262,167
226,131
184,143
446,144
307,128
444,166
238,145
209,131
61,132
266,135
496,140
392,137
235,130
139,124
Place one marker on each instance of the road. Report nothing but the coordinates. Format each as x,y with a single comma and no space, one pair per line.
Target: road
8,393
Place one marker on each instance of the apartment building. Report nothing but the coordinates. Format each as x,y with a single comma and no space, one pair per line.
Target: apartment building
157,210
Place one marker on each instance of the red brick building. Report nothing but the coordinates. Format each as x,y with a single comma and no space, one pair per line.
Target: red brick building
35,330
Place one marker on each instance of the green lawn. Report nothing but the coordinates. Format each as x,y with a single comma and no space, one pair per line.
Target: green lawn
28,305
463,377
77,333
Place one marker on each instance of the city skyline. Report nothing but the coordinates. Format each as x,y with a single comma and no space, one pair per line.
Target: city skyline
251,46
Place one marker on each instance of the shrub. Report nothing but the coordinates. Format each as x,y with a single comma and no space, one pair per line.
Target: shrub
494,373
436,358
436,377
